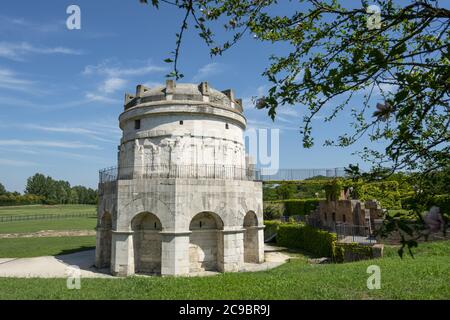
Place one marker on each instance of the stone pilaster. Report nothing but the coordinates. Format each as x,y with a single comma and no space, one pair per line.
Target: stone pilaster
175,253
103,247
122,255
232,257
261,258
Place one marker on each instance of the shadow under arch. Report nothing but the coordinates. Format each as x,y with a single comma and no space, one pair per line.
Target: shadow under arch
205,242
251,245
147,243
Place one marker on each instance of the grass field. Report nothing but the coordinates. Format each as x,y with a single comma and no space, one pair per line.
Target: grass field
27,226
427,276
43,246
82,223
44,209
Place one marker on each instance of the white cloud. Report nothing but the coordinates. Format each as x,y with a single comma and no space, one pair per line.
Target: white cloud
17,51
18,23
47,143
11,80
95,97
207,71
287,111
248,101
111,85
17,163
94,134
114,70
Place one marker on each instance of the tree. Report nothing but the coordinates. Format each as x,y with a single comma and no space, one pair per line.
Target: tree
37,185
396,55
2,189
286,190
337,52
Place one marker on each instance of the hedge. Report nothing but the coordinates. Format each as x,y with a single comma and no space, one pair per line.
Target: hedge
345,252
318,242
17,200
271,227
290,207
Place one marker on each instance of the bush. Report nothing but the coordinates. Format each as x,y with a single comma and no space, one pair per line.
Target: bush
300,206
273,210
290,207
11,199
386,192
271,227
346,252
333,189
318,242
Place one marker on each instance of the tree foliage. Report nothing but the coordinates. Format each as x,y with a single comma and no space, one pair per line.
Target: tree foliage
336,53
59,191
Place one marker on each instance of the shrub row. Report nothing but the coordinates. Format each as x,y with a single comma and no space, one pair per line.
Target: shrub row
346,252
271,227
17,200
313,240
318,242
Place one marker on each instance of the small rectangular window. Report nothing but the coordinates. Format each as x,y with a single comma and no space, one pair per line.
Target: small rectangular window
226,126
137,124
181,122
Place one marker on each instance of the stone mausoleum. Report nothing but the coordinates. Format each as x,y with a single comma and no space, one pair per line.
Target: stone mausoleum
184,197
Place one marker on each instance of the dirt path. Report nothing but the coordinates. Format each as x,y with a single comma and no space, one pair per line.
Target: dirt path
49,233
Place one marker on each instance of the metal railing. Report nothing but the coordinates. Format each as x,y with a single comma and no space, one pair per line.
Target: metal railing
214,171
200,171
268,174
12,218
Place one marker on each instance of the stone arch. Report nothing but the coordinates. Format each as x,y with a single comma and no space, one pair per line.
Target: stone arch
146,202
205,242
104,240
251,244
147,243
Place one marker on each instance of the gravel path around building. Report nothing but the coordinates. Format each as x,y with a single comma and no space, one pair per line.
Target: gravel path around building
63,265
49,233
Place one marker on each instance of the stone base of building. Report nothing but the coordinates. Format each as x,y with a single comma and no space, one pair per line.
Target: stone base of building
176,227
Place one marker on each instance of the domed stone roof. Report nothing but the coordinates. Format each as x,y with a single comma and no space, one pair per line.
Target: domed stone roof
184,92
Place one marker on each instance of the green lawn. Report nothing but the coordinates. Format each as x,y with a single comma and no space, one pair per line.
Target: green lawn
427,276
44,209
51,246
82,223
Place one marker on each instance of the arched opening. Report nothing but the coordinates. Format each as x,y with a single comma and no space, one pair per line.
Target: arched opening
147,243
205,245
251,238
105,240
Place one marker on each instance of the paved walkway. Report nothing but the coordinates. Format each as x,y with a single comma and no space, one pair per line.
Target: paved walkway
60,266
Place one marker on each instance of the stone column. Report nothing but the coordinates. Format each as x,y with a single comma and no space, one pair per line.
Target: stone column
122,255
103,247
261,257
175,253
254,244
231,250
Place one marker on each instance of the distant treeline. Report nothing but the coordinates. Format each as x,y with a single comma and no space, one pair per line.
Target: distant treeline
42,189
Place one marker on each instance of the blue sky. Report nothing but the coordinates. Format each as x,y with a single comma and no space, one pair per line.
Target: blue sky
61,91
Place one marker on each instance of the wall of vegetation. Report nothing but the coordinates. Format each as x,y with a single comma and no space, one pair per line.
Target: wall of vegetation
42,189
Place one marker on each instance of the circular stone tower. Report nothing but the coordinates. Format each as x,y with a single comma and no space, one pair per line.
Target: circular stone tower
184,197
